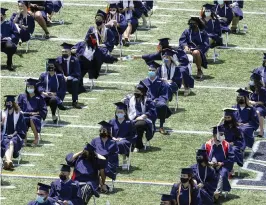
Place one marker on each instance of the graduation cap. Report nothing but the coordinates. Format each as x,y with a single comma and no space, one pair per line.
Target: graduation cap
242,92
10,98
186,171
256,74
167,197
113,5
51,61
197,20
67,45
105,125
229,111
32,81
168,52
142,87
121,105
209,7
201,152
3,11
65,168
217,129
43,187
153,65
101,13
164,41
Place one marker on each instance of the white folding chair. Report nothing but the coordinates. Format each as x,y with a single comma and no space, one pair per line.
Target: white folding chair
215,55
84,183
58,115
19,158
226,38
176,101
149,17
128,160
136,35
147,144
91,84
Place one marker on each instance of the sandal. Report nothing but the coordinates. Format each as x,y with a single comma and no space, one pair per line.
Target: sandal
106,190
163,131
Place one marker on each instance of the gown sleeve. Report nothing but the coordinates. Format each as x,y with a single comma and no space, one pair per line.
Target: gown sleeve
14,34
52,192
152,57
151,110
196,199
174,191
163,94
106,58
21,127
183,40
42,108
61,92
77,71
110,40
31,24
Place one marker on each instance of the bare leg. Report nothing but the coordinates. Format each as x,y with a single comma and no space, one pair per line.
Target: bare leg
39,18
261,124
235,21
197,61
102,180
9,152
128,31
34,132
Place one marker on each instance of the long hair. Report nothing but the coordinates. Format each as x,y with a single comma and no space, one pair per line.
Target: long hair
15,106
202,15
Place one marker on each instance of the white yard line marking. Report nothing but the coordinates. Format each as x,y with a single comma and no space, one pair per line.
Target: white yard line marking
32,154
171,2
24,165
70,116
2,198
110,74
8,187
49,134
81,98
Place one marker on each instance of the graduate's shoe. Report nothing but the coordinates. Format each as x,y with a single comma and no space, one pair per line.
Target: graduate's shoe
199,75
104,189
163,131
55,119
186,91
260,135
11,165
126,42
62,107
6,165
10,67
46,35
76,105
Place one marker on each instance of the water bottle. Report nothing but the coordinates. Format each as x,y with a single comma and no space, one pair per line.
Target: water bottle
245,28
127,58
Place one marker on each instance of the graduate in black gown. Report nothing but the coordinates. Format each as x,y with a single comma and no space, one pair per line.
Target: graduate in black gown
53,88
9,38
13,131
246,116
64,190
43,196
221,157
105,146
158,92
24,21
195,41
123,131
212,25
167,199
40,9
205,177
91,57
186,192
69,66
57,5
85,171
224,13
142,111
236,6
33,107
261,70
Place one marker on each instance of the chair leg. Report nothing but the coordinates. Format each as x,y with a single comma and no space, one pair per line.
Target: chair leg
136,36
27,46
58,114
226,44
92,84
129,158
106,68
176,102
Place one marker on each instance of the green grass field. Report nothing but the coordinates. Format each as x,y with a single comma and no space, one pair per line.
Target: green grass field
167,155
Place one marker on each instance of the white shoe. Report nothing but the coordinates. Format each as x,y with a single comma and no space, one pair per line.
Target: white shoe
186,92
136,150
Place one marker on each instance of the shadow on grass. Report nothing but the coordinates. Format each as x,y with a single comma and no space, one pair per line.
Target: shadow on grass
4,67
179,110
20,52
116,190
229,197
5,183
243,175
132,169
62,123
109,70
151,149
218,61
59,24
205,77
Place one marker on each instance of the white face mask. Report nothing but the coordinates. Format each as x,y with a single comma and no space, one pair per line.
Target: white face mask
251,83
112,12
220,2
30,90
208,13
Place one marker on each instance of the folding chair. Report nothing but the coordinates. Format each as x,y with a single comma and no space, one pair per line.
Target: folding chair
227,38
19,158
215,55
136,35
149,18
176,101
84,183
127,167
92,84
58,21
147,144
58,115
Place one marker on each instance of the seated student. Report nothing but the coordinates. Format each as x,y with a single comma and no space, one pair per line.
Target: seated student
246,116
158,92
212,25
236,6
57,5
139,11
53,88
64,190
40,9
86,168
224,14
178,56
107,147
127,8
167,199
221,157
186,192
123,131
258,100
234,135
42,196
24,21
142,111
13,131
104,36
9,39
148,6
195,41
91,57
69,66
116,22
261,70
205,177
33,107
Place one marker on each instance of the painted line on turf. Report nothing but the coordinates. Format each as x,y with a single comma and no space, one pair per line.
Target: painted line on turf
171,2
2,198
70,116
49,134
32,154
81,98
24,165
8,187
125,181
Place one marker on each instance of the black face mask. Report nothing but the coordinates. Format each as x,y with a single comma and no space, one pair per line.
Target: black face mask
2,18
199,161
228,122
184,180
99,23
65,55
241,101
137,95
103,135
192,26
62,177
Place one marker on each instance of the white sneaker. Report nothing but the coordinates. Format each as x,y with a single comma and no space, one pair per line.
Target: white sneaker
136,150
187,92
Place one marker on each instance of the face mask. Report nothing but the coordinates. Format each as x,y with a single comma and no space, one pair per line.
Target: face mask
251,83
62,177
199,161
192,26
40,199
112,12
30,90
220,138
137,95
208,13
9,107
103,135
65,55
151,74
184,180
241,101
166,61
220,2
120,115
99,23
227,122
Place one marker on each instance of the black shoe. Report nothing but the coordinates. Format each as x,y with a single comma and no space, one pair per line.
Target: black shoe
82,89
10,67
55,120
76,105
62,107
